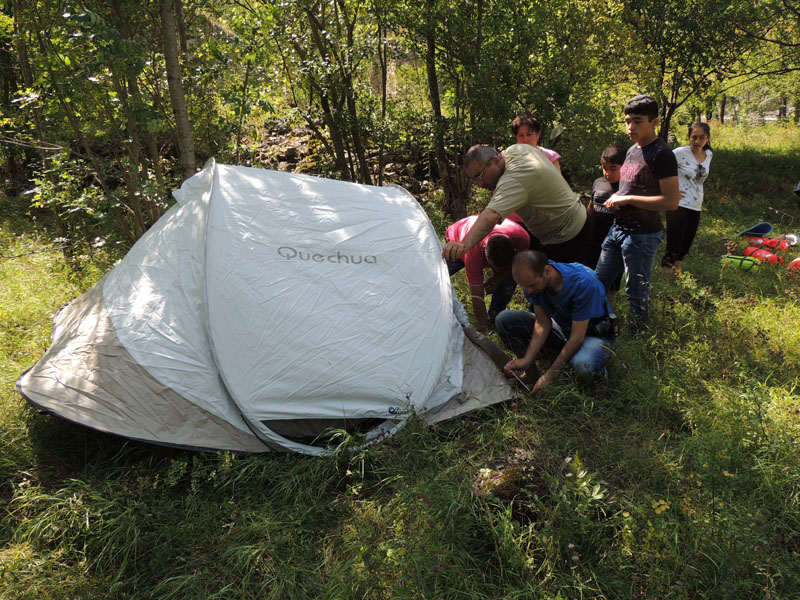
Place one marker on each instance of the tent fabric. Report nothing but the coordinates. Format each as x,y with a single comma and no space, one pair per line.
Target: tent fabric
263,309
88,377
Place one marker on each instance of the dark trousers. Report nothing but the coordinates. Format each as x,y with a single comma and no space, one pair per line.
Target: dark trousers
574,250
681,228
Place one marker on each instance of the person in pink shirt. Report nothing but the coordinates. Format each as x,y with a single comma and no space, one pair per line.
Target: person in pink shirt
528,129
495,251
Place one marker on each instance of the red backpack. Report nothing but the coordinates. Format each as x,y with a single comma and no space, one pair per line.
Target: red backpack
776,243
765,256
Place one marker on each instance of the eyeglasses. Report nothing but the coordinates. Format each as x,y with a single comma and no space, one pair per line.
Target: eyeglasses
701,171
479,176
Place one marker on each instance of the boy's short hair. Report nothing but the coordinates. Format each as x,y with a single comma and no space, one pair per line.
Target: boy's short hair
500,250
642,105
531,122
614,154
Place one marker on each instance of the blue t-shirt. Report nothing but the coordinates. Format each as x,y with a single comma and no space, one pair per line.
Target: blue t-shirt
582,296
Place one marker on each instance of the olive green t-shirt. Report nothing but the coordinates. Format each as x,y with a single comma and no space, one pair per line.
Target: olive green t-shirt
533,187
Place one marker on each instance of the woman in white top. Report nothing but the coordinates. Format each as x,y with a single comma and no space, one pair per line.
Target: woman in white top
693,164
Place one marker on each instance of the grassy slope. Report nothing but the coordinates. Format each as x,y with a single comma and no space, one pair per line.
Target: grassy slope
677,480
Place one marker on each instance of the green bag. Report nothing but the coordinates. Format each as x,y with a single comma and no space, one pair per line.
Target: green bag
743,262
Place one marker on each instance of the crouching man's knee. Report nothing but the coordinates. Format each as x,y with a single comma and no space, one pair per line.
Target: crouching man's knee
590,361
589,371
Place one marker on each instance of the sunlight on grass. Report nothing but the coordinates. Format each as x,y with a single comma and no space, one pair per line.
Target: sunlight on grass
771,138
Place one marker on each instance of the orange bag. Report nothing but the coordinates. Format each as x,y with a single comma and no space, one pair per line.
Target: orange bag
775,243
765,256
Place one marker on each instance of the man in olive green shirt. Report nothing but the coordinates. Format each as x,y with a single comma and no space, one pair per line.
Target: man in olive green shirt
525,182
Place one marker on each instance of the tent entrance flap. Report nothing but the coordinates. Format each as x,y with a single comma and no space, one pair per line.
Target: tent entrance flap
318,432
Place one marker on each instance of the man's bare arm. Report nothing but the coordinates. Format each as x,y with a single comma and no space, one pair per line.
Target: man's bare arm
541,329
480,229
479,307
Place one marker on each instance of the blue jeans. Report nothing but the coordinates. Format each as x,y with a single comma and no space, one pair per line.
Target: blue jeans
635,253
502,295
515,328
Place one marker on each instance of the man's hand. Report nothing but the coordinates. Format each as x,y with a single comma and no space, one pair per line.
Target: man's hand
668,200
480,229
543,381
491,284
454,250
518,366
616,201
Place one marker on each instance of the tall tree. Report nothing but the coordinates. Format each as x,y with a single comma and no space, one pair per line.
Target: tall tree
325,49
454,182
677,49
175,82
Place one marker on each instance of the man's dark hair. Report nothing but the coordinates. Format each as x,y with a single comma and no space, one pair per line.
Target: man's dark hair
531,122
642,105
614,154
500,250
479,153
533,260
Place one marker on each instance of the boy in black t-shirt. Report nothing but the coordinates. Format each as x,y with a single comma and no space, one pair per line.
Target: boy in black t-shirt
648,184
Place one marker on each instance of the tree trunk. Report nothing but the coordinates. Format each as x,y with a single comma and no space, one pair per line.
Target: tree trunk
355,131
181,25
464,86
666,122
242,107
175,83
133,146
340,155
331,99
455,204
151,211
9,86
348,90
723,101
383,62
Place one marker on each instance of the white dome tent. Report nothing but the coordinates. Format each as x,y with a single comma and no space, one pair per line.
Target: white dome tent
261,311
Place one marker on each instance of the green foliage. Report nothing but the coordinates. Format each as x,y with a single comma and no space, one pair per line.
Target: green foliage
676,50
355,74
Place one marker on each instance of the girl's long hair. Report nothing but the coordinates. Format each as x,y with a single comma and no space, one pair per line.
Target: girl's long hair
706,129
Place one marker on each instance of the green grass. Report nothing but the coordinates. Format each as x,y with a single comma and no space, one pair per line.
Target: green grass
678,479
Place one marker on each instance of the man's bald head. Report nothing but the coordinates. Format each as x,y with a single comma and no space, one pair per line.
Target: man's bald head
480,153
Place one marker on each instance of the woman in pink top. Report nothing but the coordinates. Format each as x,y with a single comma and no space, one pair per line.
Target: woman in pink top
528,129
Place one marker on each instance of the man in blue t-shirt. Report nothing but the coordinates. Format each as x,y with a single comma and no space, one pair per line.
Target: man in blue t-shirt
570,314
648,184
